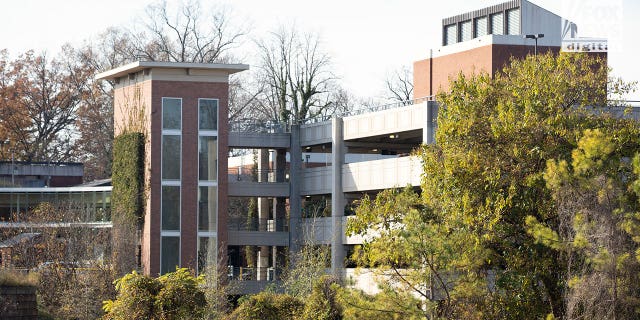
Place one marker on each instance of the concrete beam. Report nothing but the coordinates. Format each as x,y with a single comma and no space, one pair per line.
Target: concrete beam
257,189
259,140
379,145
258,238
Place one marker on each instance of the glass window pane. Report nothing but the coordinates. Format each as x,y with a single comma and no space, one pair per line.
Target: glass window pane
170,208
465,31
497,23
450,34
171,157
208,114
208,158
171,113
170,254
480,27
206,253
513,21
207,208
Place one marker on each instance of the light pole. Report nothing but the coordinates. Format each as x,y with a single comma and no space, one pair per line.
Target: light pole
535,37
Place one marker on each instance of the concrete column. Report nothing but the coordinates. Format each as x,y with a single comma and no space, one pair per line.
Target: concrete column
430,123
263,165
279,205
281,165
263,176
295,178
337,197
263,263
262,258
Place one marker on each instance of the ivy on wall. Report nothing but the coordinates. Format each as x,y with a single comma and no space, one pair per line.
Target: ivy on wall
127,198
128,176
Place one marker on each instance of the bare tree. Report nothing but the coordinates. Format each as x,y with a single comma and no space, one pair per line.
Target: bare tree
244,97
297,76
95,114
309,263
70,257
190,34
399,85
186,34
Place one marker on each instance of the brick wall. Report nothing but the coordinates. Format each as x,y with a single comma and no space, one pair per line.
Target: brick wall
18,303
489,58
190,92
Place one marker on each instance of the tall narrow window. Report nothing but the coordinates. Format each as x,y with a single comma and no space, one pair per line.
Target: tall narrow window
171,167
497,23
513,21
450,34
171,157
207,204
208,114
208,158
171,113
170,254
480,27
465,30
207,182
207,253
171,208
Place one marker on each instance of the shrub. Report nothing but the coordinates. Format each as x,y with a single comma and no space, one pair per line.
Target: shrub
11,278
175,295
268,306
323,303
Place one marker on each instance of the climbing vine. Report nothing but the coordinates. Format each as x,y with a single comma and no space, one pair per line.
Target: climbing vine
128,198
128,175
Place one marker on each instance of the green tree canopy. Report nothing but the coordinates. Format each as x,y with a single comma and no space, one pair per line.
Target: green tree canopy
322,303
465,242
598,213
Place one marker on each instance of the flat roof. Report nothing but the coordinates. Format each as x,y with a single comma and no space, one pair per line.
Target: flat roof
141,65
55,189
18,239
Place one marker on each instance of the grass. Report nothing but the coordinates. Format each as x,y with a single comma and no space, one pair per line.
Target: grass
14,278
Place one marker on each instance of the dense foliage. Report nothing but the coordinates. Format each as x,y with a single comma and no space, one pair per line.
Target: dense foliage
175,295
329,300
598,210
322,303
128,175
128,194
473,241
268,306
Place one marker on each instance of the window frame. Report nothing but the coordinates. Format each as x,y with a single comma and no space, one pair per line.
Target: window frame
210,234
171,182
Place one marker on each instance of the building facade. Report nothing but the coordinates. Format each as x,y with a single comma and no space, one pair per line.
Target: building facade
190,218
182,109
485,40
40,174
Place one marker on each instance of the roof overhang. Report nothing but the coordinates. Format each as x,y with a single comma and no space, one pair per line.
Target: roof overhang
142,65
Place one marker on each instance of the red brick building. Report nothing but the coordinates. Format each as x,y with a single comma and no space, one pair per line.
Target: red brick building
485,40
182,109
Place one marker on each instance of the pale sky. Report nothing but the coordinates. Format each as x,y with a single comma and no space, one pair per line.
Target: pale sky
366,39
